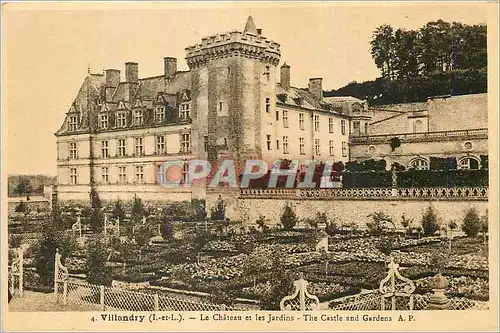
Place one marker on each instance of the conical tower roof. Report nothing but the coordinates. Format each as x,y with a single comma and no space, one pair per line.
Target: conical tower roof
250,26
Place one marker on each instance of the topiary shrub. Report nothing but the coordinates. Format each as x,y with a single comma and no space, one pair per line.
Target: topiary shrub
471,223
288,218
95,267
429,222
395,143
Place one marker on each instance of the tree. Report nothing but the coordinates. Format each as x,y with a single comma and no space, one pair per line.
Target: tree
406,223
257,263
118,212
45,252
471,223
95,266
382,50
21,207
23,187
429,222
95,200
96,221
288,218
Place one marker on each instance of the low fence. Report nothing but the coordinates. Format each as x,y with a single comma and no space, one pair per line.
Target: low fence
396,292
93,297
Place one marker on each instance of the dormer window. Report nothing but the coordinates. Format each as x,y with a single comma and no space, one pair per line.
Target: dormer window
103,123
160,114
73,123
120,120
184,111
138,118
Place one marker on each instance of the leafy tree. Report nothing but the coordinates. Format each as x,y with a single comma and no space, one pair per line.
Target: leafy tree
217,213
429,222
23,187
288,218
95,267
142,235
471,223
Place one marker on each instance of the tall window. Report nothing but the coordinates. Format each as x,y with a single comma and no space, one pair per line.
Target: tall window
418,126
221,107
278,144
104,174
355,128
285,145
122,148
268,73
268,142
268,104
316,123
277,115
160,144
330,125
73,177
366,128
120,120
185,143
73,151
301,121
302,146
104,148
184,111
317,150
122,174
139,147
104,121
419,164
331,148
139,174
344,149
185,173
205,142
159,114
342,127
138,119
73,123
285,118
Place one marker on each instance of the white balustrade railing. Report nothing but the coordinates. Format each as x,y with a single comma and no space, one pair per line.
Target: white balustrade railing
480,193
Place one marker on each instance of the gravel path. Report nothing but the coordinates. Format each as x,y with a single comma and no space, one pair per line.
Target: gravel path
38,302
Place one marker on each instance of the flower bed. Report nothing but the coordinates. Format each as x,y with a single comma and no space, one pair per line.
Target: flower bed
464,286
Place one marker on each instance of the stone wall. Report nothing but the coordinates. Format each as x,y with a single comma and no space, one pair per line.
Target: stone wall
458,112
345,209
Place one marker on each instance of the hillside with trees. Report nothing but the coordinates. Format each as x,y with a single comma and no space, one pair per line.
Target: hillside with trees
21,185
438,59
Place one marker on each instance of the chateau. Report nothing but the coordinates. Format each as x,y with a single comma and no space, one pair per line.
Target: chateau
229,105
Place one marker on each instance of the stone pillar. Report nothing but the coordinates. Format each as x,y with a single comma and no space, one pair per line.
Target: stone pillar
438,301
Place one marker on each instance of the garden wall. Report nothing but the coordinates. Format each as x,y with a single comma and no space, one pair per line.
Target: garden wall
346,209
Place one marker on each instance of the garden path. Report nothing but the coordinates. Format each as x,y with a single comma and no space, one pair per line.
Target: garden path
36,302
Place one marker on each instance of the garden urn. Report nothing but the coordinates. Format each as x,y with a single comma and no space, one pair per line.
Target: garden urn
438,301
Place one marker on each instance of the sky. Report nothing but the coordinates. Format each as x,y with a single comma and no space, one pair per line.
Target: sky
47,49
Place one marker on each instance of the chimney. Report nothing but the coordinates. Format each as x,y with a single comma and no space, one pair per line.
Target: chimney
112,78
131,72
170,67
316,87
285,76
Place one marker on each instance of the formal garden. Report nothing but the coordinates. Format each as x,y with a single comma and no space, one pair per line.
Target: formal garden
179,249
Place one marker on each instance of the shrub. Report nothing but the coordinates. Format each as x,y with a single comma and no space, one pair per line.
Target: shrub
429,222
438,261
118,212
21,207
471,223
96,221
261,223
166,228
379,223
395,143
44,257
95,267
288,218
332,228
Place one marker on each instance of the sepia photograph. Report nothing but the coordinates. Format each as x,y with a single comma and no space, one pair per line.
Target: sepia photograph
251,164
